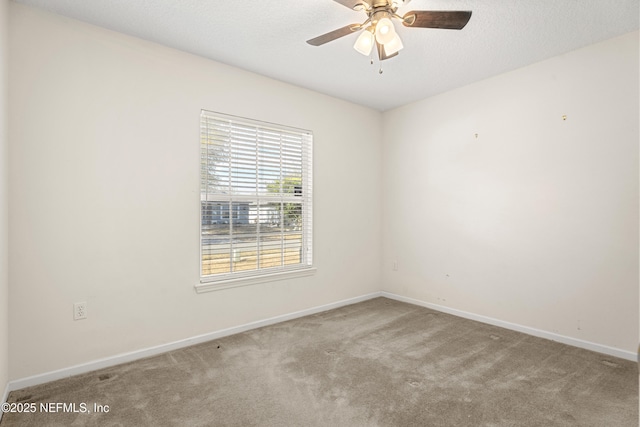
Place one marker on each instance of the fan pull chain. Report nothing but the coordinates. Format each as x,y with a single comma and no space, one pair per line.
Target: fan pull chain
380,71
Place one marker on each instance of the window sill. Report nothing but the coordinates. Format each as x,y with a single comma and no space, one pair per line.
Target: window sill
245,281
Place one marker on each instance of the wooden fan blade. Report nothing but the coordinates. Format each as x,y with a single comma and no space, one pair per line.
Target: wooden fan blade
381,54
335,34
353,3
449,20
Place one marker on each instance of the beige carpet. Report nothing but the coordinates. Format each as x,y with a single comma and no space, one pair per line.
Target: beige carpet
376,363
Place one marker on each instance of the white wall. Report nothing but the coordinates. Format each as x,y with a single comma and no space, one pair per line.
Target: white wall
535,221
4,225
104,192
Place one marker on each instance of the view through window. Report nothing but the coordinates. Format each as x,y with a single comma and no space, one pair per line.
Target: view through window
255,196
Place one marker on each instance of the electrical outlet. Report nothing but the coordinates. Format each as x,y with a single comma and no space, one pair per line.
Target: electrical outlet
80,310
395,265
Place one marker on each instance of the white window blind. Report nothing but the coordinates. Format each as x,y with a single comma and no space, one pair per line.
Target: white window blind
255,196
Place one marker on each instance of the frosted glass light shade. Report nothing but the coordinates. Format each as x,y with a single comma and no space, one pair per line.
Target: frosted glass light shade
364,43
394,45
384,31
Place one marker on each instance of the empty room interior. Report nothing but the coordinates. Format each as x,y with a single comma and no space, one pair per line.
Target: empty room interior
221,213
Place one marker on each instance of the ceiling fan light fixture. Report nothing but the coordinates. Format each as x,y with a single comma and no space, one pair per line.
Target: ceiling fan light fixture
379,31
364,43
394,46
385,30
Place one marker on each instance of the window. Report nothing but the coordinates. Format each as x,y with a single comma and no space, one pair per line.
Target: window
255,200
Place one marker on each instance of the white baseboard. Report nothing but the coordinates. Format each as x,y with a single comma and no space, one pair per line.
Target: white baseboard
163,348
152,351
599,348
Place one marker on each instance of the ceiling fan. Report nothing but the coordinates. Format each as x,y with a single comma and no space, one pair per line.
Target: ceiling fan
379,29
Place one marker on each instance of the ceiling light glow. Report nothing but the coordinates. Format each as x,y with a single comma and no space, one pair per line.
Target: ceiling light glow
384,31
364,43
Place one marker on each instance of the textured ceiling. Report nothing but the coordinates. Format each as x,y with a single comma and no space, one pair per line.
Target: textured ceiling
269,38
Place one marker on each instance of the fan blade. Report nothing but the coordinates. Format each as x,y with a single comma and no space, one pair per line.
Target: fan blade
335,34
381,54
351,4
450,20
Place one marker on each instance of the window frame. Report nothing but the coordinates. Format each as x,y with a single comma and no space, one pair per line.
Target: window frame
305,267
